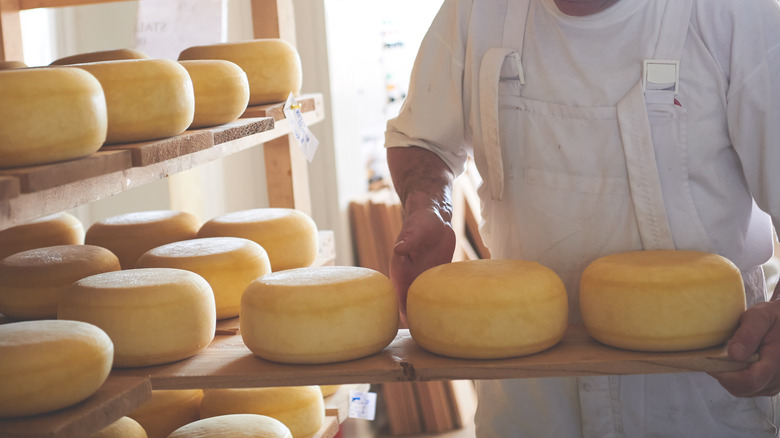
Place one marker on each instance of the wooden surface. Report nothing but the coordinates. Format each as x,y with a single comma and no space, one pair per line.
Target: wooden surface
33,4
156,151
337,404
273,19
117,397
329,429
307,102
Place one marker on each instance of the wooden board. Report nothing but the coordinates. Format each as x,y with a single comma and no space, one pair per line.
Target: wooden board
276,110
117,397
241,128
156,151
9,187
329,429
337,404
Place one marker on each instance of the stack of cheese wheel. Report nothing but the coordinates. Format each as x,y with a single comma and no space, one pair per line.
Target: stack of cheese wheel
153,316
32,281
221,91
130,235
487,309
662,300
146,99
300,408
49,365
289,236
102,55
234,426
52,230
11,65
319,314
49,115
229,264
124,427
168,410
273,66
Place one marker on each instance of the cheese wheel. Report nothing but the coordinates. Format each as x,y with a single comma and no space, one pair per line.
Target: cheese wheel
487,309
300,408
234,426
153,316
146,99
272,66
49,115
319,315
168,410
661,300
289,236
31,281
102,55
10,65
124,427
49,365
328,390
229,264
221,91
52,230
130,235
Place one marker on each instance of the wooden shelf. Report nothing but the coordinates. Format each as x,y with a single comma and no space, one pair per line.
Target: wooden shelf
31,192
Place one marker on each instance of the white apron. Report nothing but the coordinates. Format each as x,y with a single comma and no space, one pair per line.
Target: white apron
583,183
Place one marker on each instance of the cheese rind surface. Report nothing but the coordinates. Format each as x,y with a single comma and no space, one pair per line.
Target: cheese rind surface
56,229
221,91
234,426
168,410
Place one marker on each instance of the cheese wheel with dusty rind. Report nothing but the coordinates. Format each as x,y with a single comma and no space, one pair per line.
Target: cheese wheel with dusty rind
153,316
300,408
102,55
487,309
221,91
124,427
49,115
168,410
319,314
31,281
146,99
234,426
49,365
289,236
130,235
272,66
663,300
229,264
56,229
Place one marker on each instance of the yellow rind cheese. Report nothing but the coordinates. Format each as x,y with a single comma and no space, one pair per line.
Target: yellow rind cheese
146,99
31,281
300,408
168,410
124,427
102,55
153,316
11,65
229,264
221,91
49,365
272,66
319,315
487,309
234,426
289,236
56,229
662,300
49,115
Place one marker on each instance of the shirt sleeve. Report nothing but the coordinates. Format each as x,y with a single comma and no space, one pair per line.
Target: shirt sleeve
432,115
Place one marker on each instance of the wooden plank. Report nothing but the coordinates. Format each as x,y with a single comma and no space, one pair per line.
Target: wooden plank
329,429
156,151
435,406
276,110
37,178
10,31
241,128
33,4
117,397
286,175
273,19
10,187
403,412
337,404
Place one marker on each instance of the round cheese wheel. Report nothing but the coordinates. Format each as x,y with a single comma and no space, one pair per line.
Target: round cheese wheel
124,427
329,389
31,281
103,55
168,410
10,65
289,236
49,365
487,309
146,99
300,408
49,115
272,66
234,426
661,300
52,230
130,235
229,264
153,316
319,315
221,91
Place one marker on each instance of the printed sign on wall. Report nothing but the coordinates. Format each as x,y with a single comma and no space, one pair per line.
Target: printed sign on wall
166,27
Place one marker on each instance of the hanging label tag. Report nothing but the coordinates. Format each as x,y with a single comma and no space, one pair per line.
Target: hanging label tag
362,405
306,140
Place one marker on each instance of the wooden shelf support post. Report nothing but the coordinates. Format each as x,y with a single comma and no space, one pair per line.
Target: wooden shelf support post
10,31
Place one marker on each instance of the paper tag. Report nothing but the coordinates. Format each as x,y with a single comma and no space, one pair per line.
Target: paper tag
306,140
362,405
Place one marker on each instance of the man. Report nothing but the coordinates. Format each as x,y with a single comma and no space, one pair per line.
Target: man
603,126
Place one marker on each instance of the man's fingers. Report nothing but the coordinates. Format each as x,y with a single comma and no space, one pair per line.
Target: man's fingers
753,326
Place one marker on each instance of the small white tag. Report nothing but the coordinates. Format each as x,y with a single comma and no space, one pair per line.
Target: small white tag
661,75
362,405
306,140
